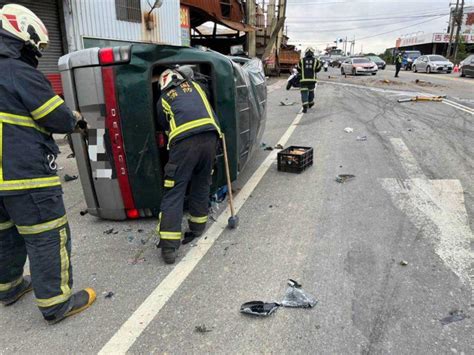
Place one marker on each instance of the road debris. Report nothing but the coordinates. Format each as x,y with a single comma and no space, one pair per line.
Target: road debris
136,261
68,177
287,103
83,213
454,316
348,130
259,308
268,148
425,83
361,138
109,294
296,297
342,178
110,231
278,146
403,263
202,329
423,98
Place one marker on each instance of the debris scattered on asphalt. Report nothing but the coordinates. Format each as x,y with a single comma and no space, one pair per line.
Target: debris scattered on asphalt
110,231
134,261
403,263
386,81
423,98
259,308
409,129
361,138
130,238
202,329
140,230
109,294
287,103
278,146
454,316
425,83
342,178
70,156
83,213
68,177
296,297
268,148
348,130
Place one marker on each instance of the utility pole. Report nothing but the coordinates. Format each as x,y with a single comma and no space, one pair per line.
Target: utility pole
458,30
252,35
451,29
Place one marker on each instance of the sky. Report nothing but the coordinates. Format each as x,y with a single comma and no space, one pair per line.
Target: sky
321,22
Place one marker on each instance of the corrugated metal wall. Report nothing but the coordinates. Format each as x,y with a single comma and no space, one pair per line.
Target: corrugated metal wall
98,19
47,11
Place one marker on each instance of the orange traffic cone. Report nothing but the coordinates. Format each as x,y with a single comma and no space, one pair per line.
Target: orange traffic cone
456,69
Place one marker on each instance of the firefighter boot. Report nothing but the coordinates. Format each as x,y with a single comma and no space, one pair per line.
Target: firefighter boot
168,255
79,302
23,288
305,108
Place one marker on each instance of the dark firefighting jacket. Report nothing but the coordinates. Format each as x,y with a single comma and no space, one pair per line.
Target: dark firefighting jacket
184,110
308,67
29,113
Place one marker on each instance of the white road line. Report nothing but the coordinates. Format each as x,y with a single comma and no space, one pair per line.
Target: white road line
459,106
407,159
129,332
437,208
403,93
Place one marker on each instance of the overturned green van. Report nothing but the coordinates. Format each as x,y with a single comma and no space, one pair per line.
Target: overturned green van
119,151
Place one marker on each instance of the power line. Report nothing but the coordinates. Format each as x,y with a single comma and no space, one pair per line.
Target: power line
398,29
316,20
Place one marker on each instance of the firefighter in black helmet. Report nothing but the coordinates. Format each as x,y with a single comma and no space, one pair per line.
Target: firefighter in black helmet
308,67
33,219
193,131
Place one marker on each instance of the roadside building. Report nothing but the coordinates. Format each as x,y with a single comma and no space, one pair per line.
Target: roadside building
429,43
79,24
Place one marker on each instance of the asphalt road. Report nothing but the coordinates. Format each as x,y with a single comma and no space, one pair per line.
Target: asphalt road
412,200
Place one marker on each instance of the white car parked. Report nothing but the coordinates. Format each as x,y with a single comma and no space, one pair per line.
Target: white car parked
432,63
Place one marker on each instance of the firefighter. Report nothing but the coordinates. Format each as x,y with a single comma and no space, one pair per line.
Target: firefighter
308,67
185,113
398,63
33,220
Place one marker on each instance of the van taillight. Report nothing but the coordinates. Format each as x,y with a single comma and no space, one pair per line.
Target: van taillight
113,125
115,55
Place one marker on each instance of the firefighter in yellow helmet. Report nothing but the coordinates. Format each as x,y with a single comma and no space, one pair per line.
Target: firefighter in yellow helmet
193,131
33,219
308,67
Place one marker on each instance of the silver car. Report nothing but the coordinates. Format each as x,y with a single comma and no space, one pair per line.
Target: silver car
432,63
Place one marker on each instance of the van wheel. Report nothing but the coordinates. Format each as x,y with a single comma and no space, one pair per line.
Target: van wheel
428,70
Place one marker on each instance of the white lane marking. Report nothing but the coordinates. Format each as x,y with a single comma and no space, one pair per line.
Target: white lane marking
129,332
407,159
404,93
459,106
437,208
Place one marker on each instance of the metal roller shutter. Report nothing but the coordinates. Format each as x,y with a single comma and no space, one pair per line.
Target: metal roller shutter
48,12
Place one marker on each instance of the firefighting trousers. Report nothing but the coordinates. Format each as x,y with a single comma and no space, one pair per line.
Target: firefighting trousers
34,224
307,94
190,162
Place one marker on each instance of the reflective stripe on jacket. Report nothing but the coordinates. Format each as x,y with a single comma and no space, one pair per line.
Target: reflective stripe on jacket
308,67
29,113
184,110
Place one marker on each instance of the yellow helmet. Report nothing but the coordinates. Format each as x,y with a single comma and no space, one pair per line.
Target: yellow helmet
167,77
22,24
